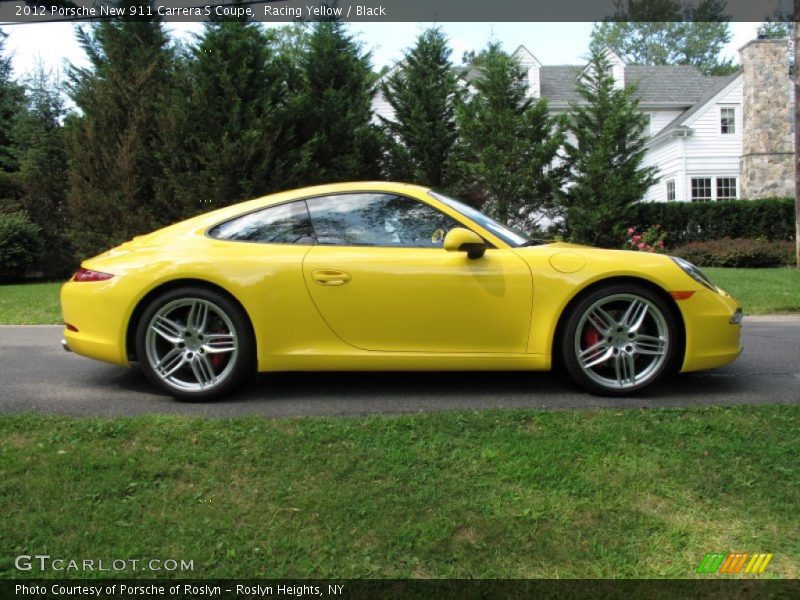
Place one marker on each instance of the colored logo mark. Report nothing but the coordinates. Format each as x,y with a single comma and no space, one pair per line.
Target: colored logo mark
734,562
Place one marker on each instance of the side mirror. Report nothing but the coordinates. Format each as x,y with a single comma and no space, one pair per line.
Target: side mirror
459,239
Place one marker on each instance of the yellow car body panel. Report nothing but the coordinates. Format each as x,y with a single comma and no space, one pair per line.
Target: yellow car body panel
422,299
399,308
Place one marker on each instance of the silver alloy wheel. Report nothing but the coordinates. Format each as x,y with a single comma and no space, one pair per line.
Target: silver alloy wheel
191,344
622,341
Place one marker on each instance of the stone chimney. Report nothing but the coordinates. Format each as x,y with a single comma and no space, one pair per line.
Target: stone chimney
767,163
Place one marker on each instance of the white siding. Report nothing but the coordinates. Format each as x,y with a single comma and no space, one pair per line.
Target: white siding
705,153
532,66
669,160
381,107
617,69
661,118
710,153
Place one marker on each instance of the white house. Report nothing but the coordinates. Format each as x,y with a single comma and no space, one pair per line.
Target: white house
709,139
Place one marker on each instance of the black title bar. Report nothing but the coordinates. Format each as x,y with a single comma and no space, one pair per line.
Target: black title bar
283,11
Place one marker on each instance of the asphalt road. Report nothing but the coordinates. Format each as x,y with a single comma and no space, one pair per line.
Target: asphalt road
36,375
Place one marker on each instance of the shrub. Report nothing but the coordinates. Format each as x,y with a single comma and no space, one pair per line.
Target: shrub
738,253
20,245
685,222
651,240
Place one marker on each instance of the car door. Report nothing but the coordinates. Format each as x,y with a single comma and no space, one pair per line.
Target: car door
382,281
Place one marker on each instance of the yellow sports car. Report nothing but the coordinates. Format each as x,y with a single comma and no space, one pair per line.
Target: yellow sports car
387,276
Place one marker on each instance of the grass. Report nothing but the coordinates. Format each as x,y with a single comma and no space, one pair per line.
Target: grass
761,291
30,304
512,494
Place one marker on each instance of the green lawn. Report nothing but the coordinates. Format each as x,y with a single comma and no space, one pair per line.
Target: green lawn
625,493
30,304
760,291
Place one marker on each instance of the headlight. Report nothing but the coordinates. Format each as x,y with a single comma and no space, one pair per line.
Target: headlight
693,272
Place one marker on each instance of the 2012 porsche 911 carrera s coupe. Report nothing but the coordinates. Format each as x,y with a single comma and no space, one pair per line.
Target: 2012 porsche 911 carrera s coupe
387,276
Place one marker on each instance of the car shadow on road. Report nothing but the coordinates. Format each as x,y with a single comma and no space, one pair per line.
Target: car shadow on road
477,388
338,393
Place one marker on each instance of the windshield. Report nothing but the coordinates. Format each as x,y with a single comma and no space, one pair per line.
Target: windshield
509,236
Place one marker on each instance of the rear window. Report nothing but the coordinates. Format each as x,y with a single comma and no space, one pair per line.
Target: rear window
282,224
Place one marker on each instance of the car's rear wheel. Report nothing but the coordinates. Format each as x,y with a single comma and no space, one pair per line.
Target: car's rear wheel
619,339
195,344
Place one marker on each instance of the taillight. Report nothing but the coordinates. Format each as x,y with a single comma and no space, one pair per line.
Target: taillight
88,275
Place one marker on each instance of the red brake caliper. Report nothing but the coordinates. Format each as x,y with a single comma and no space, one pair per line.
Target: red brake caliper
216,359
591,337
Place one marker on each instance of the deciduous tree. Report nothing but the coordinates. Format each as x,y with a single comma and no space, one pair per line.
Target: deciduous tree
668,32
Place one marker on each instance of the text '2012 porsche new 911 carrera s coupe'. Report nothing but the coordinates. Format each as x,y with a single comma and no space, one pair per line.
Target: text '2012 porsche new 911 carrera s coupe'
387,276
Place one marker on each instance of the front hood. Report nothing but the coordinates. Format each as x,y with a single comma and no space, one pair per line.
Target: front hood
590,252
566,258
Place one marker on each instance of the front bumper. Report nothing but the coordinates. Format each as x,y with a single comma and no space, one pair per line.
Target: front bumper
713,330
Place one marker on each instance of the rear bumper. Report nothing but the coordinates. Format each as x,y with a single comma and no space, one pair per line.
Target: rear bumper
713,331
97,311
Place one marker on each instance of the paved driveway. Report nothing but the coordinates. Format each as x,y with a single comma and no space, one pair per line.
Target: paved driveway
37,375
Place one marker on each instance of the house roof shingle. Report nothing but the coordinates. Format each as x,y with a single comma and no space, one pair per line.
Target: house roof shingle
719,83
663,84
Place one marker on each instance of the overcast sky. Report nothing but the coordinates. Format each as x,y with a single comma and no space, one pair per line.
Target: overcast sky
552,43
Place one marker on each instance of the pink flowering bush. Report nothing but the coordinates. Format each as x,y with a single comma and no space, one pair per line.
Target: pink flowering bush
650,240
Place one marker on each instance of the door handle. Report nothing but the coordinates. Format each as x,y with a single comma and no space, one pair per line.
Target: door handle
331,277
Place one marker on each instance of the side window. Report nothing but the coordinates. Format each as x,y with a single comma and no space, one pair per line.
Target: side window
282,224
378,220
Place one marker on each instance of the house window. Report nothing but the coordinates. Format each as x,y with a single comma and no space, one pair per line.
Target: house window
727,120
701,189
726,188
671,190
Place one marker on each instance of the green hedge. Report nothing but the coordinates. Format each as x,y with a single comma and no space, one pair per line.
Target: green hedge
738,253
685,222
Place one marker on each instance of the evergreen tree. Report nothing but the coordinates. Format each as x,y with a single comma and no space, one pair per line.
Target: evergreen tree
606,158
234,137
422,92
114,145
40,153
668,32
12,102
332,112
776,30
509,143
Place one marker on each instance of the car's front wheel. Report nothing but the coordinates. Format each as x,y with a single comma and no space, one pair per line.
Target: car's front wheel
619,339
195,344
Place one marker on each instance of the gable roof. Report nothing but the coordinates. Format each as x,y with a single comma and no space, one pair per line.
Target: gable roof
719,84
523,53
663,84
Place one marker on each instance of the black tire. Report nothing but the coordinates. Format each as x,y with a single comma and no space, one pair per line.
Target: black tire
191,359
599,346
